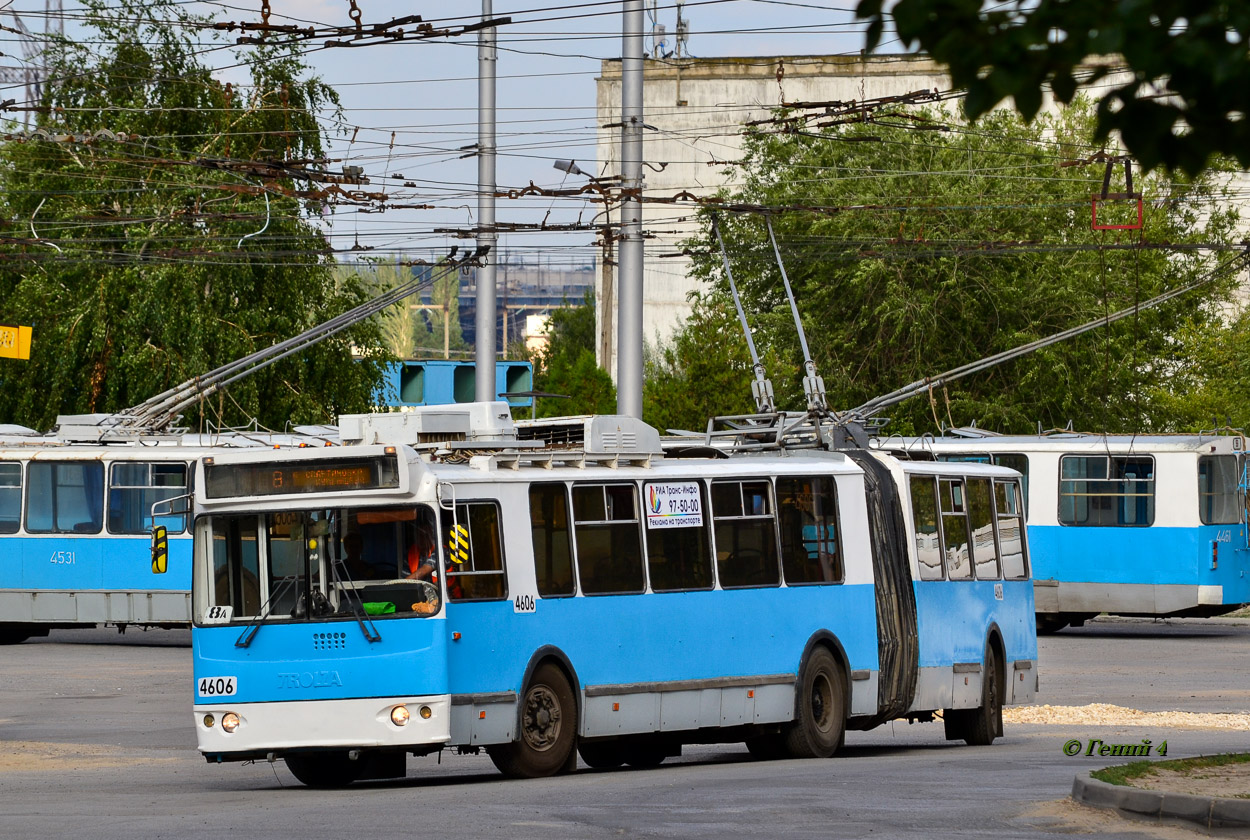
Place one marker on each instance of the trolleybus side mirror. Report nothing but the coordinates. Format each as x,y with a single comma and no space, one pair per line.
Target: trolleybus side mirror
160,549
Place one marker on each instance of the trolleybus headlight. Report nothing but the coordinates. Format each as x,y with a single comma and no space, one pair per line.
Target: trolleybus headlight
229,721
399,715
425,712
209,720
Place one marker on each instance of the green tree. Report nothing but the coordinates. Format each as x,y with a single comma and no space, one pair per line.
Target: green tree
705,371
567,365
1209,388
409,333
162,222
1184,97
914,252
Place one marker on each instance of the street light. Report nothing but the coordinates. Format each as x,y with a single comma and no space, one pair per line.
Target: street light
570,167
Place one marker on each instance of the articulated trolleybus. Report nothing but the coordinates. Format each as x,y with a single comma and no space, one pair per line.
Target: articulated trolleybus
1138,525
447,579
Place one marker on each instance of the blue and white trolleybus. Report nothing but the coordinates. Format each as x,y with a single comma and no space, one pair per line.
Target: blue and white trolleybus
450,579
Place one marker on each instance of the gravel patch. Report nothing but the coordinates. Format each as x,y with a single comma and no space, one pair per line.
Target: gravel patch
1105,714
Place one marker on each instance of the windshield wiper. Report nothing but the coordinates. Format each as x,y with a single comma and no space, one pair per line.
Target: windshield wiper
249,632
353,600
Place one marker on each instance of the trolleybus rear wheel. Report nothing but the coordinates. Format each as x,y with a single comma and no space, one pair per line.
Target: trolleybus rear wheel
645,753
818,729
1047,624
548,728
323,770
601,755
980,726
767,747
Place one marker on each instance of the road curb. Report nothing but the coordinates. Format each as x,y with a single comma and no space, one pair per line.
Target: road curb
1207,811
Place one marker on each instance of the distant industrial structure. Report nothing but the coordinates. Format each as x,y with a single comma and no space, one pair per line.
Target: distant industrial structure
528,291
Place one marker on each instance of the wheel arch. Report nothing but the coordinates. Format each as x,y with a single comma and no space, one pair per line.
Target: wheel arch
995,645
994,641
824,639
550,653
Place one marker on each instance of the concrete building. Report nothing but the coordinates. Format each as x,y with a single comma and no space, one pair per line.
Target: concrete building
694,110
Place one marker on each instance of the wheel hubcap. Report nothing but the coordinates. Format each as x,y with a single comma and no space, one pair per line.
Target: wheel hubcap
541,721
822,703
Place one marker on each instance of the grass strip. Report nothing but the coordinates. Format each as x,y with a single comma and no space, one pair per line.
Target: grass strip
1124,774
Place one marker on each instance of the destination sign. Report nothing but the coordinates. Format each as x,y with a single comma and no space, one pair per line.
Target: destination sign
340,475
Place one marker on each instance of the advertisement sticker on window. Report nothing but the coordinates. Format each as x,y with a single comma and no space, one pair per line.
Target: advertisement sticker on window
674,505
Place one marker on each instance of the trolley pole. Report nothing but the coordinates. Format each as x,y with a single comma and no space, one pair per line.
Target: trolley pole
629,299
485,347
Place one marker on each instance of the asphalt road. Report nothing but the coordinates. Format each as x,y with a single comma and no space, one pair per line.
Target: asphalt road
96,742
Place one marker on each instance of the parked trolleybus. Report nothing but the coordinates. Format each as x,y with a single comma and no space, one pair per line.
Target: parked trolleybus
1135,525
76,507
447,579
76,513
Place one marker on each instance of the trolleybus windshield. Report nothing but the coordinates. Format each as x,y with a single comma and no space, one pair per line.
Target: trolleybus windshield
308,564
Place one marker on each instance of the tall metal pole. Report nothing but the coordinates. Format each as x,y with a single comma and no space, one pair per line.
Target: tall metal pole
485,346
629,300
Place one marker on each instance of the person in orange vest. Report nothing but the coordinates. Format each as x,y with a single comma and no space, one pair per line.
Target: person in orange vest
422,563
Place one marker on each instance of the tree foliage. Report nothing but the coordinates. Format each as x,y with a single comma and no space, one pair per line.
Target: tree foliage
1184,98
705,370
933,249
567,365
144,260
1209,389
415,333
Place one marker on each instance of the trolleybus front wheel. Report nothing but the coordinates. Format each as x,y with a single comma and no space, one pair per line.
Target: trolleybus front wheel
548,728
323,770
821,721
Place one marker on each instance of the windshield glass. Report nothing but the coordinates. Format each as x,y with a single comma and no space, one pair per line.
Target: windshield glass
317,564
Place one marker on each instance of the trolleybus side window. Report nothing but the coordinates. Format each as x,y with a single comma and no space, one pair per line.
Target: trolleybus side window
135,486
1011,460
807,515
475,570
65,497
236,564
925,518
1019,463
679,549
1102,490
10,496
746,540
1218,490
609,546
1010,529
981,521
955,533
553,540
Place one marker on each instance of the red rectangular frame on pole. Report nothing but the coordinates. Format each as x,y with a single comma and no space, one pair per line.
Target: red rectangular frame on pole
1094,199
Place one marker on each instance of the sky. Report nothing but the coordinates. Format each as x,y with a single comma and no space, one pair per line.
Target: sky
410,108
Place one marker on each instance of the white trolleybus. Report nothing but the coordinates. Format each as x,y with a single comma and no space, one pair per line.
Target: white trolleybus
1136,525
447,579
77,507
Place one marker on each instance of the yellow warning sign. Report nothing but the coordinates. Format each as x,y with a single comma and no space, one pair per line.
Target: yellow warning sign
14,342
